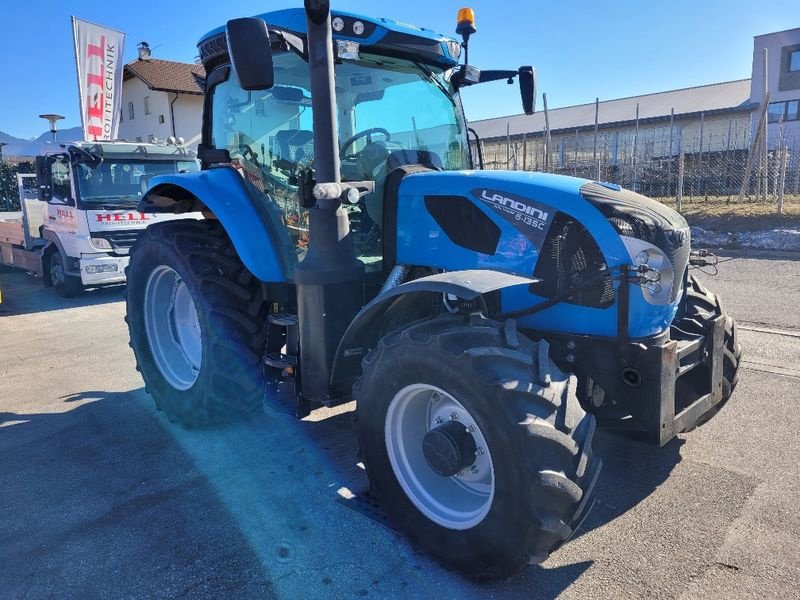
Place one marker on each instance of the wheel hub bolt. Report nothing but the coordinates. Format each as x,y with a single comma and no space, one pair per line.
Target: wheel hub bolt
480,452
470,428
438,420
474,470
435,397
454,416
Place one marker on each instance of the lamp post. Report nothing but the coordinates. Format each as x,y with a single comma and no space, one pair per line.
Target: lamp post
52,119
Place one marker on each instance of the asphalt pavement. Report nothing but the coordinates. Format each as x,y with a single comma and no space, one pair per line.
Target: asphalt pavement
102,497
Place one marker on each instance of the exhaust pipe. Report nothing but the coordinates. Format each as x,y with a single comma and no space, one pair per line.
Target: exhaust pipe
329,280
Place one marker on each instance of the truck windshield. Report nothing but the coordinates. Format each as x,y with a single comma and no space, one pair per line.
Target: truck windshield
389,109
121,183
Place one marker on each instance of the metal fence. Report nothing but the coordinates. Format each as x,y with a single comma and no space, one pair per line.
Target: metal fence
696,160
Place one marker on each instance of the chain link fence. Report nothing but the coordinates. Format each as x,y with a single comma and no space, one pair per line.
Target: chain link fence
701,159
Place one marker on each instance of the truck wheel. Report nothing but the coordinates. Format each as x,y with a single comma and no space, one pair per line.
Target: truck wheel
701,307
475,444
66,286
197,320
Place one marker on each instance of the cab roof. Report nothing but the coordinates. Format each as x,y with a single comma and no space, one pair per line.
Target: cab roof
377,32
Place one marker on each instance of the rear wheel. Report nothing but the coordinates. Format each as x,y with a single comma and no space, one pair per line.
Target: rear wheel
475,444
197,323
65,285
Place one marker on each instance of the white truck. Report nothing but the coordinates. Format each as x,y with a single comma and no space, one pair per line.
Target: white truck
78,222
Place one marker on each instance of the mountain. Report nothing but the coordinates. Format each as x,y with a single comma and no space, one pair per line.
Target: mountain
19,148
64,135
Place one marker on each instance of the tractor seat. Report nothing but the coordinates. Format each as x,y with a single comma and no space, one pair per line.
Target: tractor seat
294,146
402,158
398,159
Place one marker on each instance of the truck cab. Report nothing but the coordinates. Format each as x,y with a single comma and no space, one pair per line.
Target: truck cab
89,192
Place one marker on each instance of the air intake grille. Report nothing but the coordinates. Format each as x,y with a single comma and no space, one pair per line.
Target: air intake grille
569,255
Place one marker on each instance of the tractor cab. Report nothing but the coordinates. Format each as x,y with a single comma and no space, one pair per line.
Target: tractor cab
398,104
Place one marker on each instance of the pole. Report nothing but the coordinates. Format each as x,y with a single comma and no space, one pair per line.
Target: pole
508,145
524,151
754,145
635,143
547,135
575,156
596,124
671,138
697,187
765,153
679,199
782,179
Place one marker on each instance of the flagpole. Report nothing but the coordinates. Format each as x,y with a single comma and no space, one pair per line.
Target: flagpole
78,74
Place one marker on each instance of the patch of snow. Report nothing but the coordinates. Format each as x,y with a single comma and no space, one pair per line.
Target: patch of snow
774,239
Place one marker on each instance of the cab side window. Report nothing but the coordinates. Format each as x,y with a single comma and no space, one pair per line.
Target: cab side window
60,182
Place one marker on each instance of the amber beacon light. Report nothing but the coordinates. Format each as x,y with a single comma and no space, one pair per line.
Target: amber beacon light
466,22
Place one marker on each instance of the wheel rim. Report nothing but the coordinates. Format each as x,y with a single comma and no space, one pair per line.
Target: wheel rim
56,271
456,502
173,328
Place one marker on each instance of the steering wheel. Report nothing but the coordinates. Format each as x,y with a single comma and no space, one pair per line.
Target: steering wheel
367,133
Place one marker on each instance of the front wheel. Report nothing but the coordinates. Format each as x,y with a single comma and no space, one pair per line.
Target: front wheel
197,322
702,306
475,444
66,286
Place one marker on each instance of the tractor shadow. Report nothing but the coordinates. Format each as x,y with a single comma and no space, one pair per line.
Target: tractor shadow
268,488
98,501
632,470
23,293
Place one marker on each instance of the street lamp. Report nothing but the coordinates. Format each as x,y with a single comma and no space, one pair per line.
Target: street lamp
52,119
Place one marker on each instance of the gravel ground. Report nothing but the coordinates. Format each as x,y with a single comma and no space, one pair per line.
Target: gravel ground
102,497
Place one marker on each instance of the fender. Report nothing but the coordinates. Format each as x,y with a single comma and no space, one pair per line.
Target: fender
402,305
53,242
253,224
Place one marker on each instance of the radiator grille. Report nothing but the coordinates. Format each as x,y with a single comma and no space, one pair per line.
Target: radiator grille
569,255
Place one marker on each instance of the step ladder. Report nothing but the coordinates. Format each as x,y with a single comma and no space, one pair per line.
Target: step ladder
281,373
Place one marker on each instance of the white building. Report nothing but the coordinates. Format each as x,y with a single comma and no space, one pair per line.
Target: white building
161,98
783,83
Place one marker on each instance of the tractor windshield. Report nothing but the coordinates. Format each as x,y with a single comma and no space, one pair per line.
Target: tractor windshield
390,112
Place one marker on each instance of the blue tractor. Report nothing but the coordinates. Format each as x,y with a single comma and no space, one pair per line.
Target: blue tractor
482,321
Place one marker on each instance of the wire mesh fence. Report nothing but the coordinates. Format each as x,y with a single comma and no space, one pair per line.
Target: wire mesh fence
697,159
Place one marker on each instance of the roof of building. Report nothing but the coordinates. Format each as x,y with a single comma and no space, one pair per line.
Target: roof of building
730,96
168,75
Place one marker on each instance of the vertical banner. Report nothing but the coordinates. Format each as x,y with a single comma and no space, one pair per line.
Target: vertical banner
98,56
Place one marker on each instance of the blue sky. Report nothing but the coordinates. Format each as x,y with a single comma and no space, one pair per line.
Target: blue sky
581,49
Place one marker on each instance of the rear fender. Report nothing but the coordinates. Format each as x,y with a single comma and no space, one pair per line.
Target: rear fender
401,306
252,222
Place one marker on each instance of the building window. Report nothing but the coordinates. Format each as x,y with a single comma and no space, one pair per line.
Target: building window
793,110
130,111
783,111
147,105
794,60
160,119
775,111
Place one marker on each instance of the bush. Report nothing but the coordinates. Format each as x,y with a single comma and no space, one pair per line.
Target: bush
9,193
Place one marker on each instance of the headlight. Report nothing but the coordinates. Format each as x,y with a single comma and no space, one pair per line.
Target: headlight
658,279
101,243
454,49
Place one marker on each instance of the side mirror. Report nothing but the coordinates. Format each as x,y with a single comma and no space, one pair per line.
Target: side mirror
251,53
43,178
527,89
